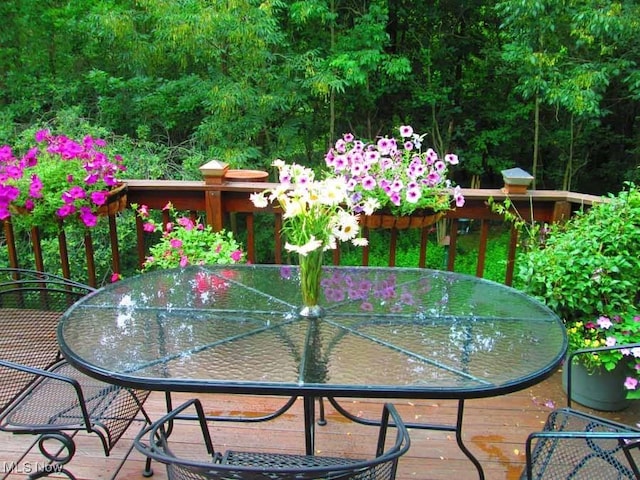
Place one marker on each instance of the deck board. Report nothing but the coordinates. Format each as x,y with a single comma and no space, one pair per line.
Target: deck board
495,430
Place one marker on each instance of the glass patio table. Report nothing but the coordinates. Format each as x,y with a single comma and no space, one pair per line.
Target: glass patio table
383,333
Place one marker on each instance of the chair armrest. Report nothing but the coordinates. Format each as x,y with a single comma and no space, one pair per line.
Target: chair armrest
38,372
157,432
403,441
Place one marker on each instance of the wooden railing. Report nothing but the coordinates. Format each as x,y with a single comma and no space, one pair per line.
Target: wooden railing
226,204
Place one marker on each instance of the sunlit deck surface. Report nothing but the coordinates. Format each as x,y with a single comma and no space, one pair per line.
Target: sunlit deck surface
495,431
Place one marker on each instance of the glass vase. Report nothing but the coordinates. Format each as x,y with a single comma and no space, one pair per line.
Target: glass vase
310,274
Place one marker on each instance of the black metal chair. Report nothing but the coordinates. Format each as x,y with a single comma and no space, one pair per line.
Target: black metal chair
40,393
578,445
155,442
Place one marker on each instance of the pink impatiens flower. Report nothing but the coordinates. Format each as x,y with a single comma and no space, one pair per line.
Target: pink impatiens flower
604,322
631,383
187,223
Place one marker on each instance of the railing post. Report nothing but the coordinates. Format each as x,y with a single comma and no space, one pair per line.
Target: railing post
561,211
213,173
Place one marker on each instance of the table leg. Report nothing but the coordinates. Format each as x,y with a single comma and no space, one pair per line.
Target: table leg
309,423
461,444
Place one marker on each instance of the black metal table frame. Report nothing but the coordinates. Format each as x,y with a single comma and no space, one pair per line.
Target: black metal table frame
311,393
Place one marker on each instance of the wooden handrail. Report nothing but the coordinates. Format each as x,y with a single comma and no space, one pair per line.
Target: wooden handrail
219,199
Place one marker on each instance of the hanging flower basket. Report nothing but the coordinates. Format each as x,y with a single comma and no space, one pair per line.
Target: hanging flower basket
116,201
59,180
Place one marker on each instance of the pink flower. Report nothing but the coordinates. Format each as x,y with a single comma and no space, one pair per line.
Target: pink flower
35,187
631,383
143,211
5,153
91,179
604,322
88,217
42,135
186,222
406,131
184,261
451,158
148,227
66,210
100,197
458,197
236,255
175,243
77,192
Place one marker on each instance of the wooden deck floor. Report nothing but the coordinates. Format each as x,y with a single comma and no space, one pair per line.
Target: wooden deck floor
495,431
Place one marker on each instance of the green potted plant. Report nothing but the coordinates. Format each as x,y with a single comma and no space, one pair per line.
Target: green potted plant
588,271
395,176
59,179
184,241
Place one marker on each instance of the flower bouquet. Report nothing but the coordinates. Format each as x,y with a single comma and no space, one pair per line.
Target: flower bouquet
187,242
58,179
316,215
395,176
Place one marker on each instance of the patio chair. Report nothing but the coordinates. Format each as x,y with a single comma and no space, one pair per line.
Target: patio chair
155,442
578,445
40,393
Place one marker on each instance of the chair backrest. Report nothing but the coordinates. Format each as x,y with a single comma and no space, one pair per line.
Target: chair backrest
31,304
182,465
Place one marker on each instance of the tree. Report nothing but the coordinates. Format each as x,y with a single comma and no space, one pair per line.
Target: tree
567,55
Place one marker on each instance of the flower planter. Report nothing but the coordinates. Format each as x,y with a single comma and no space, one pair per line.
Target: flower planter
116,201
601,390
388,221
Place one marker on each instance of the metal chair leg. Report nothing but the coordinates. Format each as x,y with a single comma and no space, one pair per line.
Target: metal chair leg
321,420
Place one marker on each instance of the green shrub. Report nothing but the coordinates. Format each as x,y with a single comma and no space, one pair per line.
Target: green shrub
588,272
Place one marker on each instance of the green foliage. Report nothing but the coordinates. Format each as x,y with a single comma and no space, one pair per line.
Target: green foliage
247,82
590,265
185,241
57,178
531,234
589,268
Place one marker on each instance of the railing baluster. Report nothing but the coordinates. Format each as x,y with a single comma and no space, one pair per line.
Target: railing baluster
482,248
63,248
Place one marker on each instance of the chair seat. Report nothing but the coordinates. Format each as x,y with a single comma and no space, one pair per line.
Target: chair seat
284,461
51,405
157,441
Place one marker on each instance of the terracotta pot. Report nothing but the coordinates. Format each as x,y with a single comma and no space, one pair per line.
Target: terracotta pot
246,176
